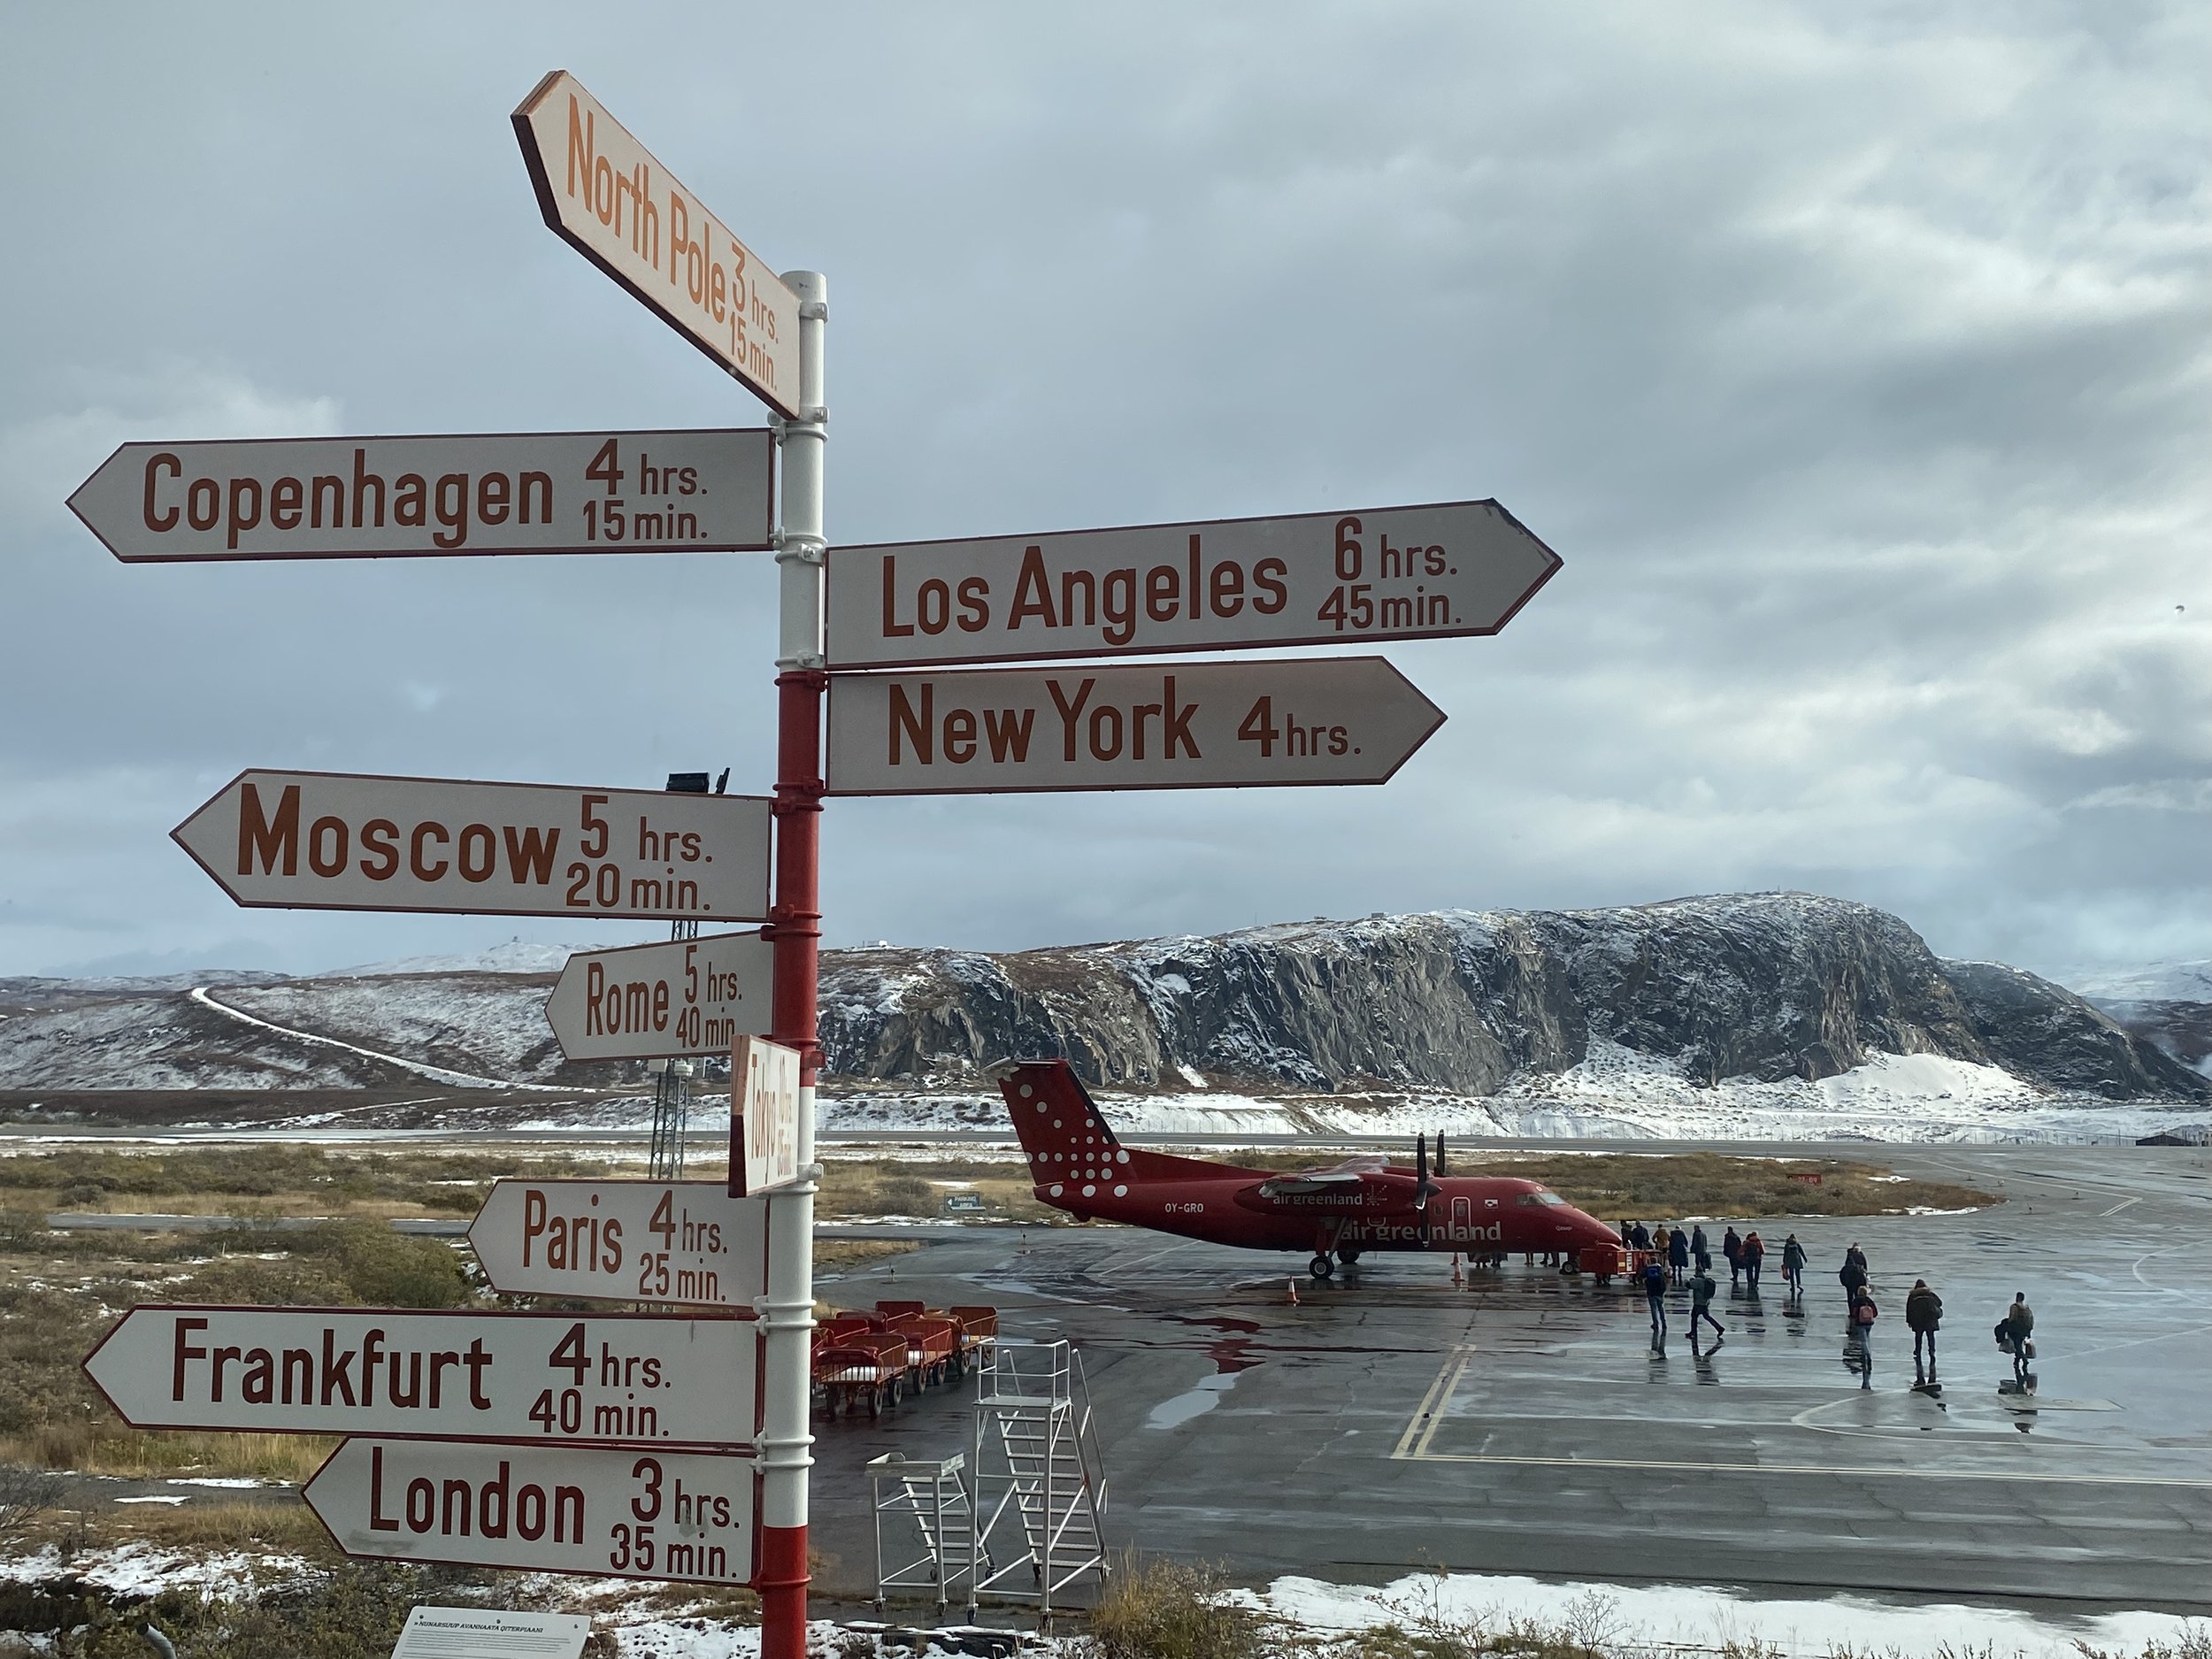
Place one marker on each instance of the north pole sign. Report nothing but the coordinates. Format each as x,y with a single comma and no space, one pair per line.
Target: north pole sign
667,1000
1178,726
688,1242
1455,568
422,497
631,1377
605,195
340,841
618,1513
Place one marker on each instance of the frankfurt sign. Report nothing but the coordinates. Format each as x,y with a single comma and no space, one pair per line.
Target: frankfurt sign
687,1242
1318,579
340,498
1176,725
643,1378
335,841
688,996
624,1512
605,195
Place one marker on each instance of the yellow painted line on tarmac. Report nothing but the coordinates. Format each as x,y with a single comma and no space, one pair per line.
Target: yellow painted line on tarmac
1425,1456
1426,1416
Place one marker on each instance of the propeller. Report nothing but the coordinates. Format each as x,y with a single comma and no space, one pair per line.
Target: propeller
1425,1189
1439,1154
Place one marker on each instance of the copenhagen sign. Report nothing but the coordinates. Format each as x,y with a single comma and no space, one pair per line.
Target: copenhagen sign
1183,725
605,195
1455,568
687,996
340,841
625,1512
333,498
630,1377
688,1242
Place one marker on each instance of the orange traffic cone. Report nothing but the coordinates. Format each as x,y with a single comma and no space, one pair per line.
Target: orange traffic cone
1293,1292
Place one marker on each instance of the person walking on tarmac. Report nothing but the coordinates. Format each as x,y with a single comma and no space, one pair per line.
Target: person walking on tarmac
1678,1255
1701,1289
1639,1237
1655,1298
2013,1331
1731,1247
1701,1249
1793,1265
1860,1329
1924,1312
1753,1253
1852,1274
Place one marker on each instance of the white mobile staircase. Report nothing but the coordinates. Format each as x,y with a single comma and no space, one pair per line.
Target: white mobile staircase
1039,1484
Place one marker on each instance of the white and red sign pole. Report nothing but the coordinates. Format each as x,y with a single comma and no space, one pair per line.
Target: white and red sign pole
795,930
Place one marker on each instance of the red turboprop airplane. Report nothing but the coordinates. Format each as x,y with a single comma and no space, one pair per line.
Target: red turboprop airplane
1363,1203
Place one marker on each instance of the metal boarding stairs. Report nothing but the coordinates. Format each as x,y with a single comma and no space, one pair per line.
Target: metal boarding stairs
1039,1482
1018,1518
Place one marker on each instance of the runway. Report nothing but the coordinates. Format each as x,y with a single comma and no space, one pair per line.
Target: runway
1523,1423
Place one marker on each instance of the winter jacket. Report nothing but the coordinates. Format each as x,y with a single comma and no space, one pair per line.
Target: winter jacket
1924,1309
1700,1291
2020,1321
1794,1257
1678,1248
1730,1246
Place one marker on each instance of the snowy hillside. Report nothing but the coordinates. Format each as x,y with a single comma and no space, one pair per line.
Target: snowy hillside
1739,1015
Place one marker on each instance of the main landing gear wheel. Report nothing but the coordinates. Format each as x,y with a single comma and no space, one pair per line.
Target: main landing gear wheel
1321,1267
1350,1258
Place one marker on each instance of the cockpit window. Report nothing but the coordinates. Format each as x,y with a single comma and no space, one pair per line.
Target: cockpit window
1540,1197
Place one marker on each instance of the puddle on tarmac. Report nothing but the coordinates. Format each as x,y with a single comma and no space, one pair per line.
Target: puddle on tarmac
1193,1402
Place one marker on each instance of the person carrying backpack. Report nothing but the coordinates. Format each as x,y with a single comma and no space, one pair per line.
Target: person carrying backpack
1655,1297
1861,1317
1753,1253
1701,1289
1793,1265
1731,1247
1924,1312
2014,1332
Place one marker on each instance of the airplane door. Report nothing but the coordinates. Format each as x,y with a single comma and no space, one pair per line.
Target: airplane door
1462,1218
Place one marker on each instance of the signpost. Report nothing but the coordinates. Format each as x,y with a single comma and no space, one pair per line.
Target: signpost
765,1096
659,1001
333,841
624,1512
687,1242
504,1483
338,498
634,1378
1451,569
1176,725
605,195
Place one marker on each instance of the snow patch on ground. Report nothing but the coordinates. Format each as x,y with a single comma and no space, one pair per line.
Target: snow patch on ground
1642,1615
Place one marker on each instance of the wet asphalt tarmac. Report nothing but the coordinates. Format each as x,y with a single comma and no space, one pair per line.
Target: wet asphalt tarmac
1524,1423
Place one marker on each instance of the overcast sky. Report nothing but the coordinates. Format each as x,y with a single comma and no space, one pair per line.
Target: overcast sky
1854,357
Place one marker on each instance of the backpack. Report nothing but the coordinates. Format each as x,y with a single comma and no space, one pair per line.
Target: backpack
1655,1279
1866,1313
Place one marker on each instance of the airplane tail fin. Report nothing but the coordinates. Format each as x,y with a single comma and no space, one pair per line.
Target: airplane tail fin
1065,1137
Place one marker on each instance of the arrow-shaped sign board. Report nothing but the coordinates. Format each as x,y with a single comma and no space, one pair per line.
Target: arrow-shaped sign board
765,1095
686,996
340,498
605,195
1176,725
337,842
688,1242
546,1377
621,1512
1318,579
